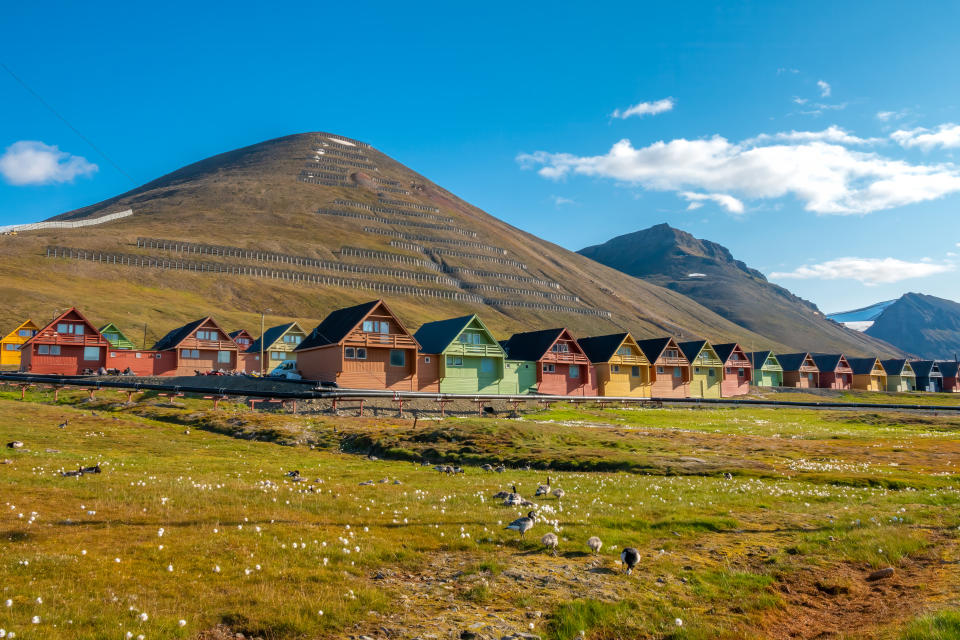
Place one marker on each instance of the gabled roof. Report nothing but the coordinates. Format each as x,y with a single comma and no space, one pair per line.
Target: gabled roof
23,325
112,328
692,348
863,366
827,362
436,336
270,336
759,358
238,333
725,350
896,366
948,368
173,339
926,368
60,317
792,361
532,345
340,323
602,348
654,347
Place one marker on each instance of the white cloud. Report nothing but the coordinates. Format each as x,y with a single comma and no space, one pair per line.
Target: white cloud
30,162
826,177
946,136
833,133
560,200
824,88
886,116
644,109
726,201
799,100
869,271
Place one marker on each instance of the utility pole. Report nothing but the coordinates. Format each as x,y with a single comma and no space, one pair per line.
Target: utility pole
262,314
144,335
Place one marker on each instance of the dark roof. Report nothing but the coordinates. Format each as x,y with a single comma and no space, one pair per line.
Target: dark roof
269,336
531,345
862,366
434,337
234,334
653,347
724,350
691,348
791,361
337,325
178,335
602,348
827,361
925,368
759,358
894,366
948,368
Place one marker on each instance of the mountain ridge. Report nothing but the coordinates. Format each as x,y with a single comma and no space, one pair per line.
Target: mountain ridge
920,324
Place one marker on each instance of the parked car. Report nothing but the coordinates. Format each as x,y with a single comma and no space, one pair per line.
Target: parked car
286,370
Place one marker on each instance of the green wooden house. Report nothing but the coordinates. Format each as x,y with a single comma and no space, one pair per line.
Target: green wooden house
115,337
460,355
767,371
900,375
706,368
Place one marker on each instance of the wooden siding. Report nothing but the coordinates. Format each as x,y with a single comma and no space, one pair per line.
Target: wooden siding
323,364
11,344
768,378
620,380
737,374
428,373
902,383
559,383
835,380
801,379
525,374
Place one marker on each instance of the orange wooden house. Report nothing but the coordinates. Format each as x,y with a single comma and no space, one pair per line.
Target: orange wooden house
360,347
201,345
737,369
68,345
835,371
670,373
563,369
799,370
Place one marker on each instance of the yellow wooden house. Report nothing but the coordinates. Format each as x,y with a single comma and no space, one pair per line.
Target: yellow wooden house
278,344
868,374
706,369
11,343
621,369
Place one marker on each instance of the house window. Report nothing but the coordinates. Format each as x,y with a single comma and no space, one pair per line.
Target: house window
113,354
711,373
486,365
398,358
223,357
291,339
276,355
191,354
659,369
549,368
696,369
91,353
672,353
729,369
11,347
635,372
426,360
213,336
454,361
361,353
615,368
741,372
624,351
560,347
26,333
574,371
677,373
138,354
75,329
470,337
376,326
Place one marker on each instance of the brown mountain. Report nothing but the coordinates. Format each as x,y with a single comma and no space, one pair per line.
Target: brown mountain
311,222
707,272
925,326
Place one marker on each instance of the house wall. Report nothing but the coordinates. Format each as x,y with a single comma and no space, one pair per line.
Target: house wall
206,362
764,378
376,372
834,380
930,384
668,385
469,378
801,380
142,363
951,384
706,382
428,373
623,383
323,364
525,373
10,352
70,362
733,383
901,383
869,382
249,363
559,383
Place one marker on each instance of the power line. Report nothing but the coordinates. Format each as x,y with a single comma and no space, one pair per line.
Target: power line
67,122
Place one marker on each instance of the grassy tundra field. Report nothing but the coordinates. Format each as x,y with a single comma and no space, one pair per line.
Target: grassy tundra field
751,523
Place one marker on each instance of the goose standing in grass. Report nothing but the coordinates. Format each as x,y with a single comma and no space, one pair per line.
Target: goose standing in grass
595,544
543,489
629,557
559,493
550,541
523,524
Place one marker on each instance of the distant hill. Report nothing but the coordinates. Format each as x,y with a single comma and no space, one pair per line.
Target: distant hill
922,325
860,319
707,272
310,222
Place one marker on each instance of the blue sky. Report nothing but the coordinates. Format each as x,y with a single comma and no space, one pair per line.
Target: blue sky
814,140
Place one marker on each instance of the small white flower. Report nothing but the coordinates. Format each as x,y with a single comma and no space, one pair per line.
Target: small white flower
182,623
116,559
160,532
170,568
320,613
39,600
678,622
143,617
216,568
83,552
35,619
9,603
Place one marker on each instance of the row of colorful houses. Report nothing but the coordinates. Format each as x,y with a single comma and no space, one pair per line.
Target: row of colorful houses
366,346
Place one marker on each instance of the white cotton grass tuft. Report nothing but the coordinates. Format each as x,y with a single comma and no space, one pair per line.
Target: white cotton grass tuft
678,622
182,623
143,616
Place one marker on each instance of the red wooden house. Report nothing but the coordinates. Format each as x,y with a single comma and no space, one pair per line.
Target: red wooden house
737,370
835,371
799,370
670,373
563,369
243,339
201,345
68,346
360,347
950,370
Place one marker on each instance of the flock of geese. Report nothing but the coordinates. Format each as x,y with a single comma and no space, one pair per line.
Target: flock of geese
629,556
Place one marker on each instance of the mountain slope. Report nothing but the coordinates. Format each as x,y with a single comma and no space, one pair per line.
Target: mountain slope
708,273
860,319
311,222
925,326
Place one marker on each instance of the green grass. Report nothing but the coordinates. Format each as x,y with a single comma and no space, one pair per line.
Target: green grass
714,551
942,625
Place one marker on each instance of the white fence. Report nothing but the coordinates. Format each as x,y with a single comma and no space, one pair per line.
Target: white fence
66,224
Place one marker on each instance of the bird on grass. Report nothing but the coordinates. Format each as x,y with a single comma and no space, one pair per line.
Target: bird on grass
629,557
523,524
543,489
595,544
550,541
559,493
